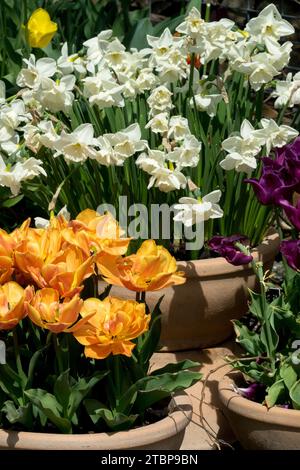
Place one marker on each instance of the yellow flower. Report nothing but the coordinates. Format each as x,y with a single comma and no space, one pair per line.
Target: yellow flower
112,326
151,268
12,304
40,29
47,311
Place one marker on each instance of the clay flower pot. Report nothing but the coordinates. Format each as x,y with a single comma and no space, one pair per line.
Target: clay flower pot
254,426
198,313
166,434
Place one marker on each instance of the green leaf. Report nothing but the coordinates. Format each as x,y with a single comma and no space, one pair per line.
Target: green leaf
81,389
288,374
248,339
22,414
62,390
295,395
49,406
153,388
12,201
116,421
139,38
176,367
150,340
274,392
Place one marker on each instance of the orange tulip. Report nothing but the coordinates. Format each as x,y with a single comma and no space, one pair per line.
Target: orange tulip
47,311
112,326
151,268
6,256
66,272
104,232
12,304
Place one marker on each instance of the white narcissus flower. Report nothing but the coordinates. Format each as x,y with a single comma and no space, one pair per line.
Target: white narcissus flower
77,146
161,46
11,116
196,211
159,124
67,64
96,47
35,71
160,100
274,135
103,90
127,142
242,149
146,80
115,54
287,91
13,176
47,134
188,154
269,24
206,94
166,179
104,154
178,128
56,96
193,25
151,161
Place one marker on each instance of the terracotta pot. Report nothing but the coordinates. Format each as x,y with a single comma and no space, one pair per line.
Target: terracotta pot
198,313
254,425
166,434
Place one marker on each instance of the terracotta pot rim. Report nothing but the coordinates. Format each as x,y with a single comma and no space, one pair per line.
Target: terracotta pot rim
239,405
213,267
177,420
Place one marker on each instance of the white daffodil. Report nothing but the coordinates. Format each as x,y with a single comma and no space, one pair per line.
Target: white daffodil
67,64
269,24
159,124
40,222
206,95
151,161
160,100
115,54
76,146
287,91
11,116
188,154
178,128
242,149
104,152
173,69
47,134
103,90
161,46
35,71
56,96
146,80
96,48
166,179
13,176
196,211
193,25
212,43
127,142
274,135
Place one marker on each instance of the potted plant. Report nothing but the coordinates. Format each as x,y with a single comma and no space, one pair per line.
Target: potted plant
177,124
74,365
262,400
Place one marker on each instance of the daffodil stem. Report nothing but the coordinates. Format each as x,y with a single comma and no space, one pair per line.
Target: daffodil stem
17,354
191,79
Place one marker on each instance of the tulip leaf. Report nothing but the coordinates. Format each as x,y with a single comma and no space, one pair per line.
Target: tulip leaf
248,339
116,421
176,367
288,374
151,338
295,395
274,392
22,414
47,403
81,389
152,389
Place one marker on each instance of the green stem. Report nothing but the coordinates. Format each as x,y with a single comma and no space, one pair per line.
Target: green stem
17,355
57,353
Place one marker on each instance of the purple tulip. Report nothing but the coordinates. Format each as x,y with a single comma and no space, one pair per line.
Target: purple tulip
289,156
225,246
292,212
275,184
254,391
291,251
